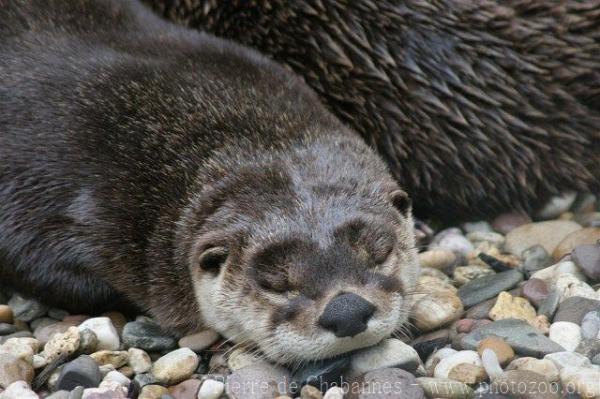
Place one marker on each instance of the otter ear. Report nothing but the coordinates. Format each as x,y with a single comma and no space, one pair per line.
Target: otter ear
401,201
212,258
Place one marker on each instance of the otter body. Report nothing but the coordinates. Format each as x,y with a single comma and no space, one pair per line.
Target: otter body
478,107
145,163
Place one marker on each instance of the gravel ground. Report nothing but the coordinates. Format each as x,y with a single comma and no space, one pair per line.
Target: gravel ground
504,308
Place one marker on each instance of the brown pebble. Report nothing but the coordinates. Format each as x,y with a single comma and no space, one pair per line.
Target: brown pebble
187,389
199,341
536,291
117,319
464,325
503,351
127,371
310,392
506,222
6,314
75,319
153,392
467,373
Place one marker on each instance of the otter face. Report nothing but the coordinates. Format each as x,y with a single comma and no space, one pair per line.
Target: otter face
306,275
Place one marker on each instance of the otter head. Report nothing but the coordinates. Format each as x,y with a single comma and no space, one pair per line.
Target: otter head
303,267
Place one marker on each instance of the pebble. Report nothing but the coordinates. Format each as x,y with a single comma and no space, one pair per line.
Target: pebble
567,359
566,334
587,236
240,358
310,392
437,310
22,348
187,389
504,353
587,258
107,335
488,287
211,389
544,367
88,342
575,308
568,285
6,314
18,390
444,388
507,222
437,258
428,343
482,225
547,234
139,360
590,325
147,336
82,371
589,347
556,206
391,353
525,384
477,237
153,392
549,305
103,393
117,377
386,383
467,373
535,258
523,338
585,380
199,341
551,273
113,358
437,356
45,332
62,344
451,239
26,309
175,366
321,372
14,369
512,307
39,361
449,362
6,328
59,395
463,274
334,393
536,291
257,382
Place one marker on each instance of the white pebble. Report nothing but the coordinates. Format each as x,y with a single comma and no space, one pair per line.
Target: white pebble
18,390
490,363
438,355
175,366
551,273
117,377
590,325
211,389
566,334
585,381
334,393
568,285
105,331
568,359
139,360
448,363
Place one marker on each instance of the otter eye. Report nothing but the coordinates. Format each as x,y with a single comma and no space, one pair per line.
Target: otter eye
213,258
401,201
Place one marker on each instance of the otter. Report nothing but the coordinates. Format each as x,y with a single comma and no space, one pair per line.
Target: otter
149,164
477,107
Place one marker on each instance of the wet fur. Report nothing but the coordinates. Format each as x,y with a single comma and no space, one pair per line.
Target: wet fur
478,107
117,173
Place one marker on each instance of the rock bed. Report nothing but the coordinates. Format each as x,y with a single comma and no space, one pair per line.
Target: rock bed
509,308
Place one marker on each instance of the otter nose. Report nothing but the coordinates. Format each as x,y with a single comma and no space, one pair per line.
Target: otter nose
347,315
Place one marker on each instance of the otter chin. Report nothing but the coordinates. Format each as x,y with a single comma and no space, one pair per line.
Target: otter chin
150,166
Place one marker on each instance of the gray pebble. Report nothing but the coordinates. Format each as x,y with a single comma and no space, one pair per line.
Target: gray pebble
257,382
573,309
76,393
83,371
18,334
596,359
587,257
57,314
59,395
535,258
549,305
144,379
386,383
147,336
26,309
487,287
42,322
6,328
590,324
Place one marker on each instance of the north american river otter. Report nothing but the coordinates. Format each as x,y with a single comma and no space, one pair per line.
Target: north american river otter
477,106
194,178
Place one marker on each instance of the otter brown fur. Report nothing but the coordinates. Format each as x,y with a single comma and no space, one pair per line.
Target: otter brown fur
146,162
477,106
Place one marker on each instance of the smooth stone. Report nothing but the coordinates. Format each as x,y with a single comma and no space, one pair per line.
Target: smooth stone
59,395
444,388
551,273
586,381
512,307
175,366
199,341
82,371
468,373
139,360
481,225
596,359
436,310
6,314
487,287
568,285
310,392
575,308
62,344
452,240
463,274
568,359
428,343
106,333
437,258
22,348
211,389
153,392
45,333
549,305
14,369
113,358
144,379
386,383
547,234
477,237
18,334
321,372
39,361
523,338
6,328
545,367
536,291
556,206
525,384
118,320
480,311
187,389
88,342
587,258
588,236
535,258
589,347
449,362
391,353
57,314
147,336
504,353
566,334
507,222
18,390
436,357
26,309
240,358
117,377
103,393
257,382
334,393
